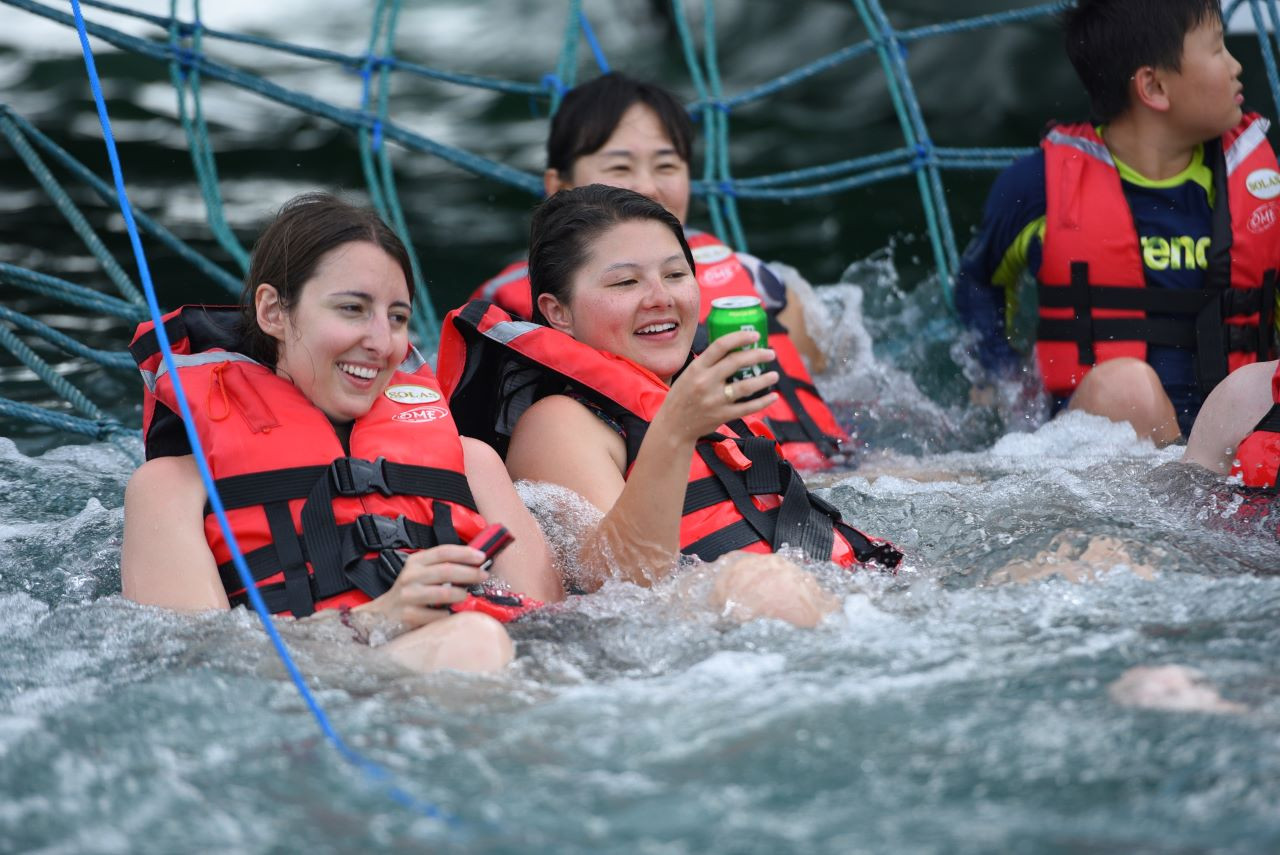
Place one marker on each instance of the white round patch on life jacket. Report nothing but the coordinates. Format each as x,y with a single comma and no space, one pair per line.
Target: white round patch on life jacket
421,415
409,395
1263,183
711,254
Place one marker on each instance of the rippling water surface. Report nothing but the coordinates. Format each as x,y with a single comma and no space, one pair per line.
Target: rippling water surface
984,699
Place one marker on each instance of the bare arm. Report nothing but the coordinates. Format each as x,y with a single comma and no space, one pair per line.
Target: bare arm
166,560
560,441
525,565
1229,415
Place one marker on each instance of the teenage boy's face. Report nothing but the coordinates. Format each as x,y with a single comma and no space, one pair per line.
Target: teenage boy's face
1206,94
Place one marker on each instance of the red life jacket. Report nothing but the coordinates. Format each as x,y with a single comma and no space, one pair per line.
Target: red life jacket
802,422
1258,458
318,528
741,494
1093,294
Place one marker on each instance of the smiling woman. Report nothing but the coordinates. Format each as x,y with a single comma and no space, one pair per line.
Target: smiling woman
343,495
667,447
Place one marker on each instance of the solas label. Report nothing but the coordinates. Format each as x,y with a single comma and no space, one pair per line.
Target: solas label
1263,183
410,395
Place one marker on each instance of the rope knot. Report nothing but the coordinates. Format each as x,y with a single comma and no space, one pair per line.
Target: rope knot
552,83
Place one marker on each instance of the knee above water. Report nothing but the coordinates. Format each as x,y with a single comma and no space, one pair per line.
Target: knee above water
482,637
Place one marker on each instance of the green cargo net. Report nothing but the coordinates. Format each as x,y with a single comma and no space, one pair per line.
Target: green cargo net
179,45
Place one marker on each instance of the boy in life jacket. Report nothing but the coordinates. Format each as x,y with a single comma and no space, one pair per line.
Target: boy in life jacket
626,133
342,474
1152,233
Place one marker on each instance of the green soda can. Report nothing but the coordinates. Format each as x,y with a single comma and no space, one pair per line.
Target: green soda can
731,314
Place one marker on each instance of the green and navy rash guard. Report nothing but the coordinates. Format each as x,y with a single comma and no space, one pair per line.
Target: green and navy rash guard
1173,221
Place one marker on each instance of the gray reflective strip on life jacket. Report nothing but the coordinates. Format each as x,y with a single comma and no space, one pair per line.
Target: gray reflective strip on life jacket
183,360
413,361
1090,147
491,287
506,332
1245,144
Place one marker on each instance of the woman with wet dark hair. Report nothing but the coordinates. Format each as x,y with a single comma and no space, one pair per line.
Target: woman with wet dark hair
345,481
602,396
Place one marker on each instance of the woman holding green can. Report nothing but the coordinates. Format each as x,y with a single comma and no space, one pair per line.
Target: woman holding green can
601,395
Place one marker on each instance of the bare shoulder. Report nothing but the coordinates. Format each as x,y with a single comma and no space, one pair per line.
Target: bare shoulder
560,420
164,480
559,440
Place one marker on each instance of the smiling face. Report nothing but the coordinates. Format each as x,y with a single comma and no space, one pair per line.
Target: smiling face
1205,94
347,332
638,156
634,296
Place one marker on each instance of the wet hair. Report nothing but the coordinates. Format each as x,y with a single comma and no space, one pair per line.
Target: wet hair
289,250
1108,40
565,226
590,113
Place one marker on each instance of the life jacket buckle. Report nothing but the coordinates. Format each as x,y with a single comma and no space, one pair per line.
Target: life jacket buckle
390,563
355,476
376,533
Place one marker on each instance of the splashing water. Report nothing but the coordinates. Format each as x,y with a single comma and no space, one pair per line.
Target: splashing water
1078,656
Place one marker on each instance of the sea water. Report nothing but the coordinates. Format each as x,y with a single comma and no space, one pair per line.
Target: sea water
969,703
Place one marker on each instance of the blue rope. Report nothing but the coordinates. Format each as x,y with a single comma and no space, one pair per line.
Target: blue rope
77,295
314,106
106,358
601,62
375,772
351,62
183,250
92,428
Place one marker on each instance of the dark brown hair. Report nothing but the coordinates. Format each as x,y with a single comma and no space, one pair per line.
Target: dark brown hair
590,113
289,250
565,225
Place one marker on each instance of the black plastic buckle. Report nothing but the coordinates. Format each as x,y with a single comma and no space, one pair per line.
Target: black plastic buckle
376,533
354,476
390,563
1237,301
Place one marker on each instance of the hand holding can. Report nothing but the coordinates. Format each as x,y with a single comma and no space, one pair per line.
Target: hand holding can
731,314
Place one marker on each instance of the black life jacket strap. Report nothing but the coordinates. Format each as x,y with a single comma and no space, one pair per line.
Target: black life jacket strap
1190,302
797,522
788,387
276,597
1081,329
1161,331
736,536
1267,318
735,485
351,476
288,549
1271,421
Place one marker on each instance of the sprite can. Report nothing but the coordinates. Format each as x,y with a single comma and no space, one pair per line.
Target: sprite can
731,314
